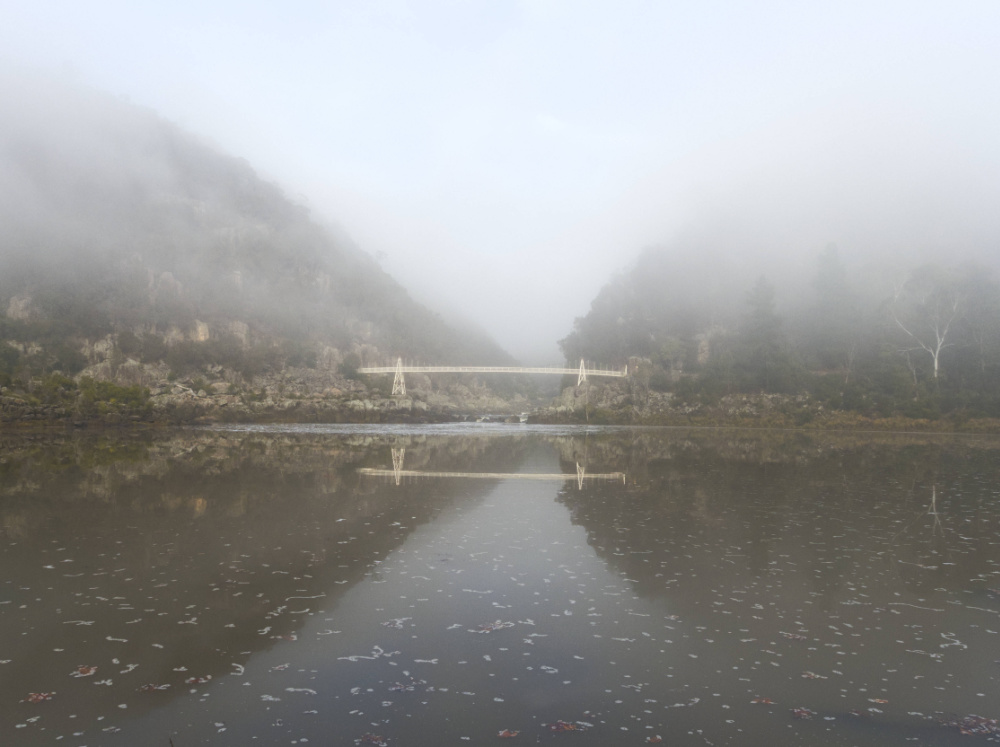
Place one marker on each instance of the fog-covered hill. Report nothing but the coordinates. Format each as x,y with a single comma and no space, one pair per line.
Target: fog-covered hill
130,245
885,334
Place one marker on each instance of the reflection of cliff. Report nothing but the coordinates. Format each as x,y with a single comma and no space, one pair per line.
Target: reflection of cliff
185,553
855,513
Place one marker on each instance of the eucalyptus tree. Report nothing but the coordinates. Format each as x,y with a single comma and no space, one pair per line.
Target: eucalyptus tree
926,308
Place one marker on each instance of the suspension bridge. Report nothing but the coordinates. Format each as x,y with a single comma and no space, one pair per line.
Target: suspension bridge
397,473
399,382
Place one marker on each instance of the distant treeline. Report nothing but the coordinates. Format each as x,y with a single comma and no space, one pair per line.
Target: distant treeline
921,340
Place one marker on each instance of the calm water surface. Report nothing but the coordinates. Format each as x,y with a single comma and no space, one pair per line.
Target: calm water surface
435,586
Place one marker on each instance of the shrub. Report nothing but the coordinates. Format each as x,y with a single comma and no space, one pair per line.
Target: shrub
100,397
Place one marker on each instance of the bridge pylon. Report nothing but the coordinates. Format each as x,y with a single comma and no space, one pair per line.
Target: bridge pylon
399,383
398,455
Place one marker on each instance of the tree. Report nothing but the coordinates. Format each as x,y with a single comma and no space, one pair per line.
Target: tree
834,338
981,315
925,308
761,353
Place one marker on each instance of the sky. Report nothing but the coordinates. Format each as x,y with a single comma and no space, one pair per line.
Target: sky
504,158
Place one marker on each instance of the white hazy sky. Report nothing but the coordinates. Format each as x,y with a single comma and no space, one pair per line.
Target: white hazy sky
504,157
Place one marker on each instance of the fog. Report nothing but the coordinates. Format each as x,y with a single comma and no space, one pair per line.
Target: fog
503,160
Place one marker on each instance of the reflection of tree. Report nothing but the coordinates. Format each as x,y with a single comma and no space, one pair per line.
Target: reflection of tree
937,534
835,503
932,511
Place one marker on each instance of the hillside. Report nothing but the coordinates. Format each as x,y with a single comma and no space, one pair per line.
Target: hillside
134,253
890,336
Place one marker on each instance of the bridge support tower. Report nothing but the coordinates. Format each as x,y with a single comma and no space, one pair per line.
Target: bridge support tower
399,383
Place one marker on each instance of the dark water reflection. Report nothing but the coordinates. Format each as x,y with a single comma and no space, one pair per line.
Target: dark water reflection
262,585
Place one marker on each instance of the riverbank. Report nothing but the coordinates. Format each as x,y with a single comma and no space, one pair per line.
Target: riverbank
356,403
601,404
288,396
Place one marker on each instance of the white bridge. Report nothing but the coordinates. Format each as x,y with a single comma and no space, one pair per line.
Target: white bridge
399,383
398,473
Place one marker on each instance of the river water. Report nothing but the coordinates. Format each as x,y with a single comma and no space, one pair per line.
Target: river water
419,586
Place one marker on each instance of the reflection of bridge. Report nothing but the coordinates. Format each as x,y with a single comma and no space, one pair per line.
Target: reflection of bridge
399,384
398,473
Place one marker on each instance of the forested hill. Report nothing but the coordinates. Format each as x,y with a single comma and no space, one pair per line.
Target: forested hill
126,239
889,336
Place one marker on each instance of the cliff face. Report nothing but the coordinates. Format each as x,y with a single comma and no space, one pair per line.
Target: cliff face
134,253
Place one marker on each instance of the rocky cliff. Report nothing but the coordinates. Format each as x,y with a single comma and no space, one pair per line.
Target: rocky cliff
135,254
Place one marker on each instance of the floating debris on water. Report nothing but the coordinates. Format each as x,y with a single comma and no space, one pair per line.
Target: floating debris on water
38,697
972,724
560,726
493,626
397,623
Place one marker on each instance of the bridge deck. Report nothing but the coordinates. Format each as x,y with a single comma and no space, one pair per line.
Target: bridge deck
399,383
561,476
489,369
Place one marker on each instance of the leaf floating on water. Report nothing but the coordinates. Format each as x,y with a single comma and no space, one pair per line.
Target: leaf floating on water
83,671
507,734
561,725
406,687
377,652
655,739
396,623
39,697
972,725
490,627
802,713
